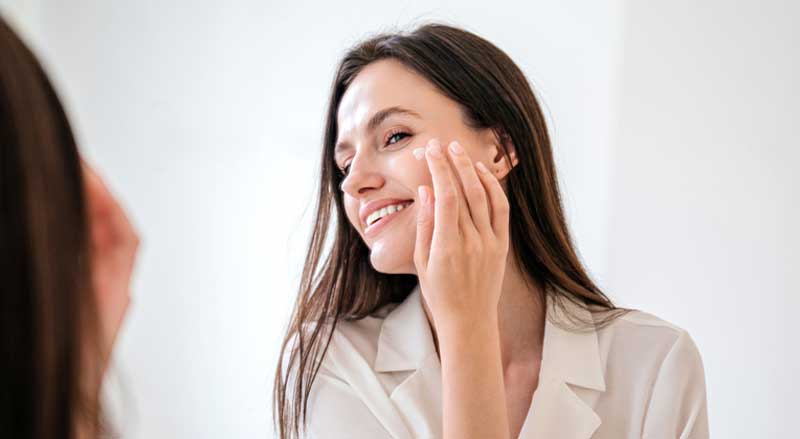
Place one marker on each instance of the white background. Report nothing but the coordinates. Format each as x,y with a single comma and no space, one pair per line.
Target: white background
675,132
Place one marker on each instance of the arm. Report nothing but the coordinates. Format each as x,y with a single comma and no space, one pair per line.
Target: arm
677,407
460,257
114,244
473,394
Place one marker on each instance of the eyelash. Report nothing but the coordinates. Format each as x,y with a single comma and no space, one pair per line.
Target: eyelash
389,136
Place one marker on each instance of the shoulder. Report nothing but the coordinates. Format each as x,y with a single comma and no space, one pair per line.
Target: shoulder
663,361
652,353
646,337
656,364
643,351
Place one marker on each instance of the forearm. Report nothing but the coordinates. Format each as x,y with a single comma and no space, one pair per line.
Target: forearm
474,401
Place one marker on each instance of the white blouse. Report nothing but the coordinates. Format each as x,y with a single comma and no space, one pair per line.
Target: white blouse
638,377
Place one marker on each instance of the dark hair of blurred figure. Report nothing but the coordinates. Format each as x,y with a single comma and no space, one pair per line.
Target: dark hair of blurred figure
51,349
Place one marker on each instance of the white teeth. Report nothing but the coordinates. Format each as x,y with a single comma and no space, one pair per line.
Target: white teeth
388,210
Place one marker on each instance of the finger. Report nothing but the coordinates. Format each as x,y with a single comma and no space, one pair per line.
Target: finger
474,192
445,195
107,217
101,202
465,225
99,210
497,200
425,223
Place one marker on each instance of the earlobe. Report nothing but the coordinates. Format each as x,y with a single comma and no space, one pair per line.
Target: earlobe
500,164
509,146
499,142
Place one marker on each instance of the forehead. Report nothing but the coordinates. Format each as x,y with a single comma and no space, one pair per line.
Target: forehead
383,84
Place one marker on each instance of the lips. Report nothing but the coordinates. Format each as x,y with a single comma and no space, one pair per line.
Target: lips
372,206
376,227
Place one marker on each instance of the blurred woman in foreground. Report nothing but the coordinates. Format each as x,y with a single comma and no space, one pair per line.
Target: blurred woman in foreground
67,255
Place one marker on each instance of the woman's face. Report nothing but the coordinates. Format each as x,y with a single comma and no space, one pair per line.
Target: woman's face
388,111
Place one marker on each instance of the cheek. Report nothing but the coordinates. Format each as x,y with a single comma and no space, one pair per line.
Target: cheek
409,171
351,207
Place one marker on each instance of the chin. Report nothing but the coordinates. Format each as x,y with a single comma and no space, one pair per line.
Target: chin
383,260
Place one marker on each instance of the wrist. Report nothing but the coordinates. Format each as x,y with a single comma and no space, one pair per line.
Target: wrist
459,328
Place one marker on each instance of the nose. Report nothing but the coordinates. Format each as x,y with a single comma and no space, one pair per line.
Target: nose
362,177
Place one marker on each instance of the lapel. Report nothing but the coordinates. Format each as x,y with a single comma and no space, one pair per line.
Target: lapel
405,345
569,360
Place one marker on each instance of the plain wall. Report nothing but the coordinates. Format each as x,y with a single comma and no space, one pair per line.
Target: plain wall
672,128
704,199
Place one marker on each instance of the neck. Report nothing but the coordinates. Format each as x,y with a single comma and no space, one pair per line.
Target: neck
521,318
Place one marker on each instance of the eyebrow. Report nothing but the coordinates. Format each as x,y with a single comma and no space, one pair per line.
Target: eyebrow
375,121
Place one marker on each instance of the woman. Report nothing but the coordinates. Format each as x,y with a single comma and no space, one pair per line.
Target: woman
67,255
461,310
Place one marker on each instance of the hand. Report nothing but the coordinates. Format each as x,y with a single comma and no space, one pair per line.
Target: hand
462,238
114,244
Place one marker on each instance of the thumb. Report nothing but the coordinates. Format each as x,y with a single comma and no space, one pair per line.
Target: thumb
425,218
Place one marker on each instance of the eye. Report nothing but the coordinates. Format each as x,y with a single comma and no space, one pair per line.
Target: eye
393,137
397,135
344,170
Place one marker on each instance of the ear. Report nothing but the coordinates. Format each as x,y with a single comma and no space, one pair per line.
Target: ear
502,165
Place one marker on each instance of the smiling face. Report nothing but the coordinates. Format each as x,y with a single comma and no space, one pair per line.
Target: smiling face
388,111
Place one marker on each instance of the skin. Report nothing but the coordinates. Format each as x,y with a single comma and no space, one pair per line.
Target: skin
114,245
475,296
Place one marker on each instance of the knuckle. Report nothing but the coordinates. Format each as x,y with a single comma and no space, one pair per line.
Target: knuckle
423,217
473,246
446,253
474,190
441,167
499,247
503,206
448,196
463,162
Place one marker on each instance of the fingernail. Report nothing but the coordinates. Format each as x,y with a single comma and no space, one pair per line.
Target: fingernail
482,167
456,148
419,153
435,148
423,194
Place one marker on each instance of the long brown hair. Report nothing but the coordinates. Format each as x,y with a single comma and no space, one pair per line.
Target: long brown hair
340,283
48,310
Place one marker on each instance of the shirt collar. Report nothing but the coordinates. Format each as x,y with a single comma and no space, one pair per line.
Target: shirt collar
406,341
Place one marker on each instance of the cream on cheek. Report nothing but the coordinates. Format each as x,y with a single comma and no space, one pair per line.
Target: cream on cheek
409,171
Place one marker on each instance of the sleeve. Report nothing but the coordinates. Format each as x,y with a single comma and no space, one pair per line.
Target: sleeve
677,406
